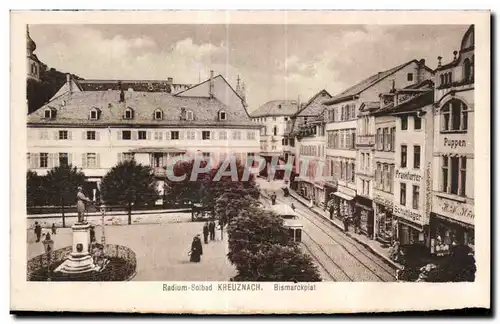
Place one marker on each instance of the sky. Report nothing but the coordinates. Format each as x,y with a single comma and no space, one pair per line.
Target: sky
273,61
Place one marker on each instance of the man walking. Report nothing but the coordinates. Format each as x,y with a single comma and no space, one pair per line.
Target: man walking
38,231
212,230
206,230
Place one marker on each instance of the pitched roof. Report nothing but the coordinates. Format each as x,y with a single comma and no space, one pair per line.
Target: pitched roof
315,105
276,108
367,83
74,108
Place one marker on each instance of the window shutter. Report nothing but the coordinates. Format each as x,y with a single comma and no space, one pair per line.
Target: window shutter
98,160
97,136
50,163
212,135
70,135
84,160
84,135
160,136
181,135
167,135
119,135
148,134
56,135
135,135
35,158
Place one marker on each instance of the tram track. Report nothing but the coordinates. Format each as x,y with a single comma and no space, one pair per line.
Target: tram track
315,219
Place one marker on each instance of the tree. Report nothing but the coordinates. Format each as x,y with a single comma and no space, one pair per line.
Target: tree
62,183
129,184
252,230
185,190
36,193
278,263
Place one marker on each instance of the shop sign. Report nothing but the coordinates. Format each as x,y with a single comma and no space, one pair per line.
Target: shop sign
454,143
347,191
459,143
408,214
407,175
383,201
453,209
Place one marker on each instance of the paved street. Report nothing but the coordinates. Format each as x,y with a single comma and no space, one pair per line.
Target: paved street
339,257
161,251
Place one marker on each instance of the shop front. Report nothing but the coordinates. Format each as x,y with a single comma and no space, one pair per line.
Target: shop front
384,219
412,229
364,213
452,224
343,202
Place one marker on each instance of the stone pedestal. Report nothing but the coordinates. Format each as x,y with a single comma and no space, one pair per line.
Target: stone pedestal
80,260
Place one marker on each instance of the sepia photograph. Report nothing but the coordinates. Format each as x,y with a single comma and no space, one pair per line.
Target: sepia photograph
218,157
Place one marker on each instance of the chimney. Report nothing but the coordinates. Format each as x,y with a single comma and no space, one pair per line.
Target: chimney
211,85
122,94
421,70
70,84
455,55
439,61
170,81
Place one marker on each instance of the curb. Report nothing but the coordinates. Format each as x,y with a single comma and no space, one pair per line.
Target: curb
384,258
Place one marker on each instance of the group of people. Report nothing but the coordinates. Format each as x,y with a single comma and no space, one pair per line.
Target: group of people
38,231
209,230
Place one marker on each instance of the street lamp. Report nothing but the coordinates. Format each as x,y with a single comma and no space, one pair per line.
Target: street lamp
103,213
48,245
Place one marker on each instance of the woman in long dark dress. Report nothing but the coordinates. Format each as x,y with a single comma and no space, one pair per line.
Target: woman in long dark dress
196,250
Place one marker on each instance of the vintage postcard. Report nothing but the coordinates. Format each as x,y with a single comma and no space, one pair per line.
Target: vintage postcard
250,162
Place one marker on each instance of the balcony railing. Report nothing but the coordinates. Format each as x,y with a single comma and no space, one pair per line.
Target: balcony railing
365,140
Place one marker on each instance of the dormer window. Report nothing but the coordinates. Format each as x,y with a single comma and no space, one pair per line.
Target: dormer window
49,113
94,114
158,115
222,115
189,115
129,113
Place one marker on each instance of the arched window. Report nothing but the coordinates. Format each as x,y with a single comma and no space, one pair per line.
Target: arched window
128,114
442,79
158,114
454,116
467,70
275,130
94,114
450,79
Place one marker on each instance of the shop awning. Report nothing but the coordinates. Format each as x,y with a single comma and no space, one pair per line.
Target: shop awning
343,195
406,222
454,221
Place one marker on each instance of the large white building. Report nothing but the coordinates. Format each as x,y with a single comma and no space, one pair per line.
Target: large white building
95,124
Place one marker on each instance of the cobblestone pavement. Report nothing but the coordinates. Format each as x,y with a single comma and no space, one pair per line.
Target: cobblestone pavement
161,250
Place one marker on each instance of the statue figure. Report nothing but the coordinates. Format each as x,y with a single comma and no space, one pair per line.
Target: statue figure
81,207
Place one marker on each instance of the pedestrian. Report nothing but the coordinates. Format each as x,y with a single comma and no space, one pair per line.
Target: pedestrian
81,207
346,223
331,211
196,250
273,198
54,229
92,234
38,231
211,228
206,231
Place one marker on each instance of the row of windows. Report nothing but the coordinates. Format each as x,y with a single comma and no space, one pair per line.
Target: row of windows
51,160
342,139
385,139
312,150
146,135
365,162
343,169
129,113
342,113
384,177
454,174
415,196
417,123
416,156
264,119
288,141
467,70
365,187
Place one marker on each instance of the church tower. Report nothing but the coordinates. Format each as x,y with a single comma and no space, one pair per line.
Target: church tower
240,90
33,68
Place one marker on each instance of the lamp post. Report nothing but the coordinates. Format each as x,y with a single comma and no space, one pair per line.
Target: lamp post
103,235
48,245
